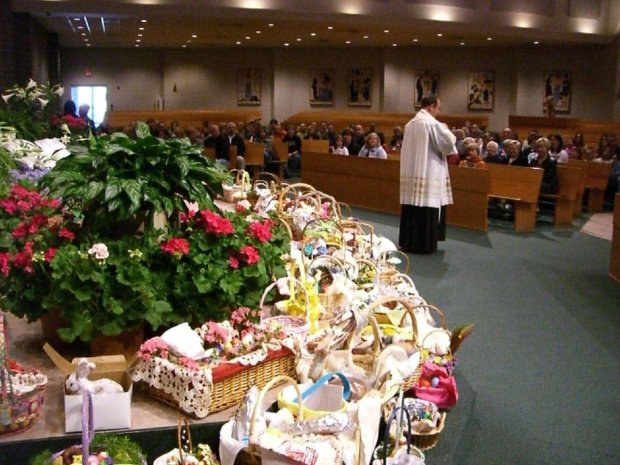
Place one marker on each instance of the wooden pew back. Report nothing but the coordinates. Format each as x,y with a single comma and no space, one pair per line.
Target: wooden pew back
186,118
598,173
514,182
568,127
316,146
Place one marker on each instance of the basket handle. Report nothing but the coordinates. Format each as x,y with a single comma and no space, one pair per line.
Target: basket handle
386,255
275,283
261,398
5,360
408,311
439,312
346,392
183,425
376,343
389,421
327,258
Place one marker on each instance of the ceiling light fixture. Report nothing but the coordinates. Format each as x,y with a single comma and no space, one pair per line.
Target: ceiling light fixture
298,39
194,36
77,19
137,40
365,37
258,32
313,34
462,43
394,45
348,41
286,44
80,27
270,24
184,46
144,21
415,40
536,43
386,31
141,29
440,35
88,45
247,37
139,35
238,43
330,27
489,38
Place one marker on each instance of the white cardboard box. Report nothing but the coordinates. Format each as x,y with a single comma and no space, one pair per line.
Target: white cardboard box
111,411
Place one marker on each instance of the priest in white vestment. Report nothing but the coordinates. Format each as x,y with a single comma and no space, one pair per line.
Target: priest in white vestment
424,179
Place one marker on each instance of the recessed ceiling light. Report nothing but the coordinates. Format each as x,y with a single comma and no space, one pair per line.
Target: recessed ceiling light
415,40
270,24
88,45
394,45
462,43
348,42
83,33
258,32
137,45
536,43
365,37
238,43
85,40
489,38
144,20
298,39
137,40
139,35
184,46
247,37
313,34
189,41
77,19
386,31
80,27
440,35
330,27
194,36
286,44
141,28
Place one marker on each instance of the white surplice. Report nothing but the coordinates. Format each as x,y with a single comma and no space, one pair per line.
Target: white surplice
424,177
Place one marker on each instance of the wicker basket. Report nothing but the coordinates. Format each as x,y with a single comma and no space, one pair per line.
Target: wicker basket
387,269
21,392
292,324
229,391
413,378
428,440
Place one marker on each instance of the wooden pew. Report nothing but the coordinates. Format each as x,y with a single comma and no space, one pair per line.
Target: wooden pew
520,185
568,180
311,145
186,118
254,158
578,204
281,149
598,177
363,182
614,258
469,192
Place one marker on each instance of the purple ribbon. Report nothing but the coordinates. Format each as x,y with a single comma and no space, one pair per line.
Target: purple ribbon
88,424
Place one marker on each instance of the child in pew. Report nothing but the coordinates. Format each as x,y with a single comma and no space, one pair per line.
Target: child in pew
339,148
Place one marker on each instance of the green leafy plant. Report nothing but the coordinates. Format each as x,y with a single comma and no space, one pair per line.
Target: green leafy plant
217,262
117,179
6,165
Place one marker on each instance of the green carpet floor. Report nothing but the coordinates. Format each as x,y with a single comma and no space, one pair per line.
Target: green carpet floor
542,362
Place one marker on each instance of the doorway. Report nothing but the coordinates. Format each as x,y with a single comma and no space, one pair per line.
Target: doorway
94,96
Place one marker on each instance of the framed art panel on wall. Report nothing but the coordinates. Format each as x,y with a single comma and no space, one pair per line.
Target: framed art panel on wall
248,87
321,86
425,83
558,88
481,90
360,87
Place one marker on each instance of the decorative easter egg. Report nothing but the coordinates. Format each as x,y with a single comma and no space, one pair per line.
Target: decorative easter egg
425,382
435,381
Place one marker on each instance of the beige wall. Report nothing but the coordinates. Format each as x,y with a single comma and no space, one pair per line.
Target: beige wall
208,78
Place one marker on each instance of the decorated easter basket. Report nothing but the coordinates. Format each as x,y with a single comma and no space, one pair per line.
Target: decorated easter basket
22,392
412,379
239,190
297,205
326,263
321,231
359,237
388,265
422,440
292,324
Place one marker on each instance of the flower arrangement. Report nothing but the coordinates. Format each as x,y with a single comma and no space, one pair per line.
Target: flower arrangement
30,109
218,261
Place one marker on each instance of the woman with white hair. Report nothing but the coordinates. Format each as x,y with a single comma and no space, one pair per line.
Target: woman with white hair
493,155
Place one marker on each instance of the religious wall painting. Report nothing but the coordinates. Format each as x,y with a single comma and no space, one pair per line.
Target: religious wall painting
481,90
425,83
249,87
359,89
558,89
321,86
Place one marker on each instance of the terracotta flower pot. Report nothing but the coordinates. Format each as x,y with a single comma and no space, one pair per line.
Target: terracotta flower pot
126,343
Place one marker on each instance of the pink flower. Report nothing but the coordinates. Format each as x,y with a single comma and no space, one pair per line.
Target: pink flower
155,346
233,262
184,217
5,261
176,246
214,223
50,254
189,363
240,208
23,259
260,231
100,251
251,254
9,206
64,232
20,231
